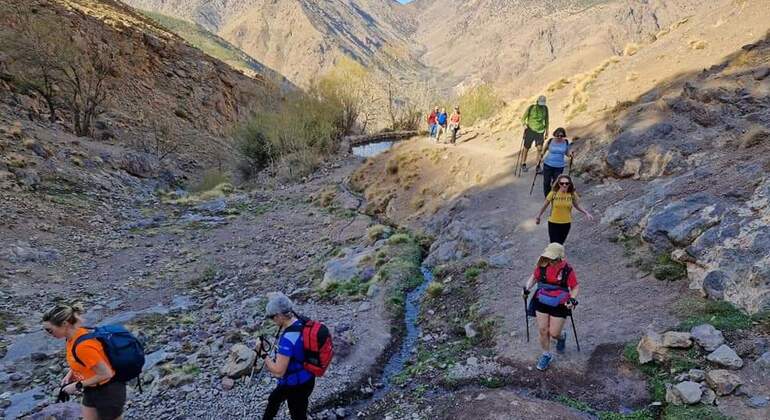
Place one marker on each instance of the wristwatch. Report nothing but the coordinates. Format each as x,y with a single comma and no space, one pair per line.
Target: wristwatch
79,386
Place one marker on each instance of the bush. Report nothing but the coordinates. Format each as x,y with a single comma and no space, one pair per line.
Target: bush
301,131
722,315
478,103
435,289
211,179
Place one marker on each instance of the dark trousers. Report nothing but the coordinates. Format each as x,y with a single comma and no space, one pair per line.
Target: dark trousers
295,396
557,232
549,177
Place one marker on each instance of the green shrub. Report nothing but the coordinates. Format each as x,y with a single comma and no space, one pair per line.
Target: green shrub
211,179
472,273
478,103
722,315
377,232
300,131
435,289
700,412
668,269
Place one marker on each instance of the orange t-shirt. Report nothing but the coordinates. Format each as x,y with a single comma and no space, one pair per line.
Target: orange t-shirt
90,352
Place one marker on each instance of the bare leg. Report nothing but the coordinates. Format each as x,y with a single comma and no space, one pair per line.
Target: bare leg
543,330
89,413
555,327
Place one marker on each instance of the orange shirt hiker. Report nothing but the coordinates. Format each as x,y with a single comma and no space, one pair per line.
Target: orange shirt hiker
90,352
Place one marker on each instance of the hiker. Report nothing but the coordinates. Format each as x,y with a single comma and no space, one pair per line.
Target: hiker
432,123
535,121
295,383
562,199
441,119
454,124
556,151
103,399
554,299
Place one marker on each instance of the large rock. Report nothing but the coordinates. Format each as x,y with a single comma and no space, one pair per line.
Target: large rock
763,361
651,348
239,361
682,221
707,336
23,252
677,340
629,155
722,381
140,165
346,268
60,411
689,392
725,356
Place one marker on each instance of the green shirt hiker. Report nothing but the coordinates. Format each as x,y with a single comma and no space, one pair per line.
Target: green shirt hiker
536,118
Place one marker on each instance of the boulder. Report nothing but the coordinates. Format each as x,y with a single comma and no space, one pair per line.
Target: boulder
689,392
677,340
139,165
707,336
239,361
672,397
725,356
722,381
763,362
177,379
346,268
60,411
651,348
759,401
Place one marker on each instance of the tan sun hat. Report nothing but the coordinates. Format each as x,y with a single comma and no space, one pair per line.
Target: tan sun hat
554,251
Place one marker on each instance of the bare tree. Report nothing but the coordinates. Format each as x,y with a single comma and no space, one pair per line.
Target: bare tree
160,142
85,77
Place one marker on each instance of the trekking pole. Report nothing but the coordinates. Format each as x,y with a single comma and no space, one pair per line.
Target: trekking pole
532,188
569,171
517,169
574,331
526,315
264,349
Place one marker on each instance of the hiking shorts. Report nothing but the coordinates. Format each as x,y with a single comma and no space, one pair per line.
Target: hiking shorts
533,137
560,311
108,399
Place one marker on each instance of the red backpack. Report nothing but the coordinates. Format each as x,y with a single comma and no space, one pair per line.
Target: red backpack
317,343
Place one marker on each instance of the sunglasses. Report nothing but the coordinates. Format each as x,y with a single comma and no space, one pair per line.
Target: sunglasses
565,183
48,330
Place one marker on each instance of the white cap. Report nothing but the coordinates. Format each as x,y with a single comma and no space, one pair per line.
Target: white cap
277,303
541,100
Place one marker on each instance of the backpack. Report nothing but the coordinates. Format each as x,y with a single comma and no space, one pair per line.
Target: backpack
317,346
562,288
124,351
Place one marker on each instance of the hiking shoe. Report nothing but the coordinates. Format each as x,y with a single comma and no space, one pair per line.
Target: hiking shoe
524,168
538,169
561,342
544,361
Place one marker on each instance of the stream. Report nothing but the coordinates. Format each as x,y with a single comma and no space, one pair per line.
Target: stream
372,149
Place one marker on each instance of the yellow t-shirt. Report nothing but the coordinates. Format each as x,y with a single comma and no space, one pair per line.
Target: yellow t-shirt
561,207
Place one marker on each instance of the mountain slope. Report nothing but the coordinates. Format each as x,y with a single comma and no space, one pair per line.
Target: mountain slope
302,38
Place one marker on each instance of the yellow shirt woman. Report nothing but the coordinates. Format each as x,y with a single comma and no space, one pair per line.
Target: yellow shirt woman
561,206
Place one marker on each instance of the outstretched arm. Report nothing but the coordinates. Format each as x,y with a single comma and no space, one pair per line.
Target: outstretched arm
542,210
576,203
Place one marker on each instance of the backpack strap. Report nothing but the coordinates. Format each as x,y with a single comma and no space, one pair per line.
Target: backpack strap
79,340
562,276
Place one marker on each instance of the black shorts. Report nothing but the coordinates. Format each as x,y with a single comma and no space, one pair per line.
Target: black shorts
533,137
108,399
560,311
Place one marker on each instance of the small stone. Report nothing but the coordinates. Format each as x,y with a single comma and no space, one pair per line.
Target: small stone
38,357
364,306
481,397
707,336
689,392
722,381
228,383
708,397
341,413
16,377
651,348
470,331
672,397
725,356
759,401
697,375
239,361
472,361
677,340
5,403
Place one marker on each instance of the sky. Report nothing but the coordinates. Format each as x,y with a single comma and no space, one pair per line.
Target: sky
404,1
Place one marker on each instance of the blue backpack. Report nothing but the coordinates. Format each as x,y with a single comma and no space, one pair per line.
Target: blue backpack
125,352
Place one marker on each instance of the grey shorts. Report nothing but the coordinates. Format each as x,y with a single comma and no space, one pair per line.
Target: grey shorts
108,399
533,137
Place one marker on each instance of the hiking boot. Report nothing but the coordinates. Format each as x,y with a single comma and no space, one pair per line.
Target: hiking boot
561,342
524,168
544,361
538,169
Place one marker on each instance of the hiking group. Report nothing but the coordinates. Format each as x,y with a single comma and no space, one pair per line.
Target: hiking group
439,122
557,285
103,359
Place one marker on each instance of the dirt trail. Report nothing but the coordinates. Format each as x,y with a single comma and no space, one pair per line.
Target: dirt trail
496,218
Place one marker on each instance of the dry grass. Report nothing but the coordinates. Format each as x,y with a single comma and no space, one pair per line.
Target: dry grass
697,44
754,137
631,49
557,85
578,97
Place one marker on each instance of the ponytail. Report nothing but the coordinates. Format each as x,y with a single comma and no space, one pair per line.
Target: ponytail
62,313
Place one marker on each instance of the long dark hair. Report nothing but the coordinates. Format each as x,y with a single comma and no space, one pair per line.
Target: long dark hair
555,186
